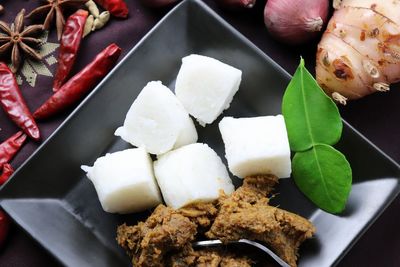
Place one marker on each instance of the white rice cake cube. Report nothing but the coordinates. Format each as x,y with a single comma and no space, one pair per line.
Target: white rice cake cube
193,173
125,181
206,87
256,145
157,121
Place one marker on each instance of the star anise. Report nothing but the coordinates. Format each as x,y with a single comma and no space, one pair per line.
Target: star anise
19,40
55,8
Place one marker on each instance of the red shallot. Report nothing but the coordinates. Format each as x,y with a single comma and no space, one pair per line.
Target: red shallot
295,21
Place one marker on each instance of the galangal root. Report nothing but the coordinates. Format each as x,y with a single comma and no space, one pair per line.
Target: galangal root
359,53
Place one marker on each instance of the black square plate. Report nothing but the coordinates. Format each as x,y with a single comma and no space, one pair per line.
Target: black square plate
50,197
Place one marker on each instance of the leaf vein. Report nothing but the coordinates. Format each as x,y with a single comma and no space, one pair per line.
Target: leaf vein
307,117
324,185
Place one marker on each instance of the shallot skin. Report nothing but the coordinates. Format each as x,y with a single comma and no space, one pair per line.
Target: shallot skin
359,53
295,21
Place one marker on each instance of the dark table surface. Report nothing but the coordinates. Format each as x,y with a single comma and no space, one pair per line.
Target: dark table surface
375,116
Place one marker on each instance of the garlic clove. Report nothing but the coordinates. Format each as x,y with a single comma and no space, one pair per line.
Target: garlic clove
88,26
92,7
101,20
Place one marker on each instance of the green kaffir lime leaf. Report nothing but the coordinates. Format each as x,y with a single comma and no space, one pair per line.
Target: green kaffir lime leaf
324,175
311,117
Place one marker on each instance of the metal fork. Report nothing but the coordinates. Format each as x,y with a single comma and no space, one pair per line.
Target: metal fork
218,243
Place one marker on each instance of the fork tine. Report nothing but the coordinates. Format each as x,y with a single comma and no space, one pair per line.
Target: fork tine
266,250
217,243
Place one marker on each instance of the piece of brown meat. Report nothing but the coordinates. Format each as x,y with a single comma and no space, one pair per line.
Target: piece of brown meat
202,214
148,242
164,239
246,214
189,257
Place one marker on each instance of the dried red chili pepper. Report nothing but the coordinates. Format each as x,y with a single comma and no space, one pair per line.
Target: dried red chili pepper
10,147
14,104
5,222
81,83
69,46
117,8
7,172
